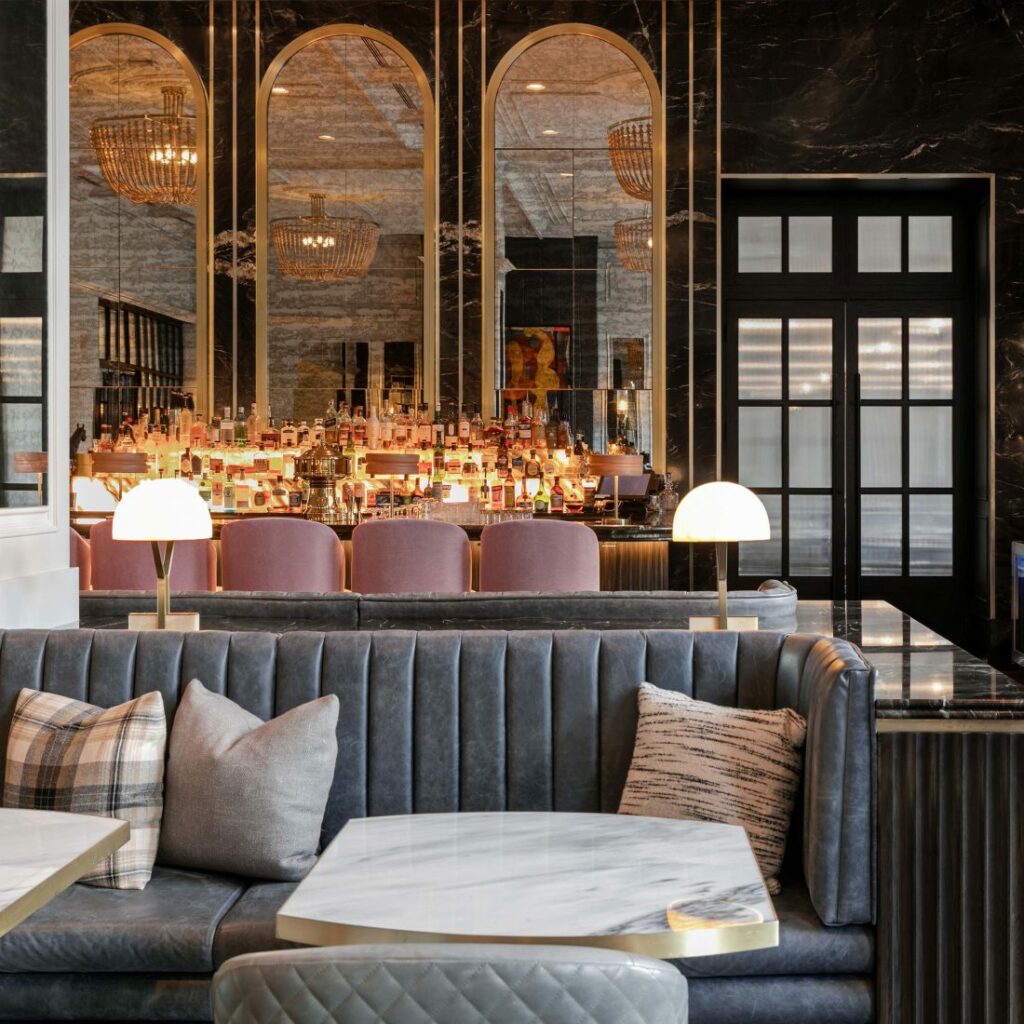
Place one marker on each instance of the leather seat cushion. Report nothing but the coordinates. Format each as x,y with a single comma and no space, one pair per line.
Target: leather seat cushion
248,927
168,926
806,946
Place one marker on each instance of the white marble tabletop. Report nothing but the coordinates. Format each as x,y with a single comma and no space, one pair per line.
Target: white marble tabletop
43,852
656,886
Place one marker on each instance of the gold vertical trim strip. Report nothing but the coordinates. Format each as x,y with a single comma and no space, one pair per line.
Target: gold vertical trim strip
204,397
435,248
719,392
203,246
490,90
234,205
459,208
992,603
689,230
430,193
487,403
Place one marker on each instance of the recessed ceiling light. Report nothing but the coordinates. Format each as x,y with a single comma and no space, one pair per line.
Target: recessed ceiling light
535,86
566,174
326,138
550,131
279,90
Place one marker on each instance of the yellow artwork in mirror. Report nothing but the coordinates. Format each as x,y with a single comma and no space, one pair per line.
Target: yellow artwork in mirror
346,253
574,239
138,231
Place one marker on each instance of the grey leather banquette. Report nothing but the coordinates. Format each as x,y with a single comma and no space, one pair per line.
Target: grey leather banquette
446,721
773,603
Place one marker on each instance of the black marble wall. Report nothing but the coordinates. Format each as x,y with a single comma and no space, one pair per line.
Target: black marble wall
23,88
750,86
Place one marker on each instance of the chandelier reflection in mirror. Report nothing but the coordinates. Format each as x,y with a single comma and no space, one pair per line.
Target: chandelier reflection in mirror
634,241
150,158
322,248
632,156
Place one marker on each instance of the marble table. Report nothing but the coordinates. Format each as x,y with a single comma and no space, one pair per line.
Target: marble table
645,885
43,852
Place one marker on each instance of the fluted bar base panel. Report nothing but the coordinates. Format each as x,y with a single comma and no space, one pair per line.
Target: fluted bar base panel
950,868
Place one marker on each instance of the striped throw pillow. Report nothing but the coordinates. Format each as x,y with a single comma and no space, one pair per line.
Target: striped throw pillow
64,755
710,763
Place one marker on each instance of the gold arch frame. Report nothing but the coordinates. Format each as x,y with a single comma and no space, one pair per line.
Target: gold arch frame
430,201
657,213
204,180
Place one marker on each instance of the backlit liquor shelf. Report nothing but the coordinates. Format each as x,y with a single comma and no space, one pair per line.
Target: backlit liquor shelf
344,470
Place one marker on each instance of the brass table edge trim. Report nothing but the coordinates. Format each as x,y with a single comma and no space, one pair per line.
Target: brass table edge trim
14,913
662,945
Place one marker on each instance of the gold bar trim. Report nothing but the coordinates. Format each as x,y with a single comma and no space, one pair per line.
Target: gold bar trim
430,205
204,243
488,343
949,725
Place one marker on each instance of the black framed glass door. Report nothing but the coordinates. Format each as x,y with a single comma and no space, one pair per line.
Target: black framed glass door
848,375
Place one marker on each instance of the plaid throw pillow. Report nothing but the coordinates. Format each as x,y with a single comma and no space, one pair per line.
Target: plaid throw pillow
63,755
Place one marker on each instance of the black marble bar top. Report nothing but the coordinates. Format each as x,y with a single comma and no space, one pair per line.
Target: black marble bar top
921,675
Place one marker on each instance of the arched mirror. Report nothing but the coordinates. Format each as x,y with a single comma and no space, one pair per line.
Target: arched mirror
139,266
573,238
345,227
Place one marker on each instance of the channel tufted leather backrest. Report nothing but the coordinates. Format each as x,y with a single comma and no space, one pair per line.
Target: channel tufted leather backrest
480,720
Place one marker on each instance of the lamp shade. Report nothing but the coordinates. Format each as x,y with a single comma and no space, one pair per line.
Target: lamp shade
720,511
162,510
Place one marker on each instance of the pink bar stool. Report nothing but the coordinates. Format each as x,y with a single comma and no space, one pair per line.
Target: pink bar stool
539,555
410,556
128,564
282,555
81,559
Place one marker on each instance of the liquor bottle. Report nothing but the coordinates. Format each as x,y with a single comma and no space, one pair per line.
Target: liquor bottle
485,493
197,435
196,464
260,497
564,434
525,424
531,466
498,496
557,497
552,428
437,481
509,500
344,425
316,433
524,502
331,424
185,463
400,428
302,434
271,436
279,494
359,428
542,501
502,460
242,492
424,429
241,432
373,429
213,434
186,417
217,496
206,490
289,435
464,429
417,494
387,429
252,426
229,494
227,427
511,422
476,426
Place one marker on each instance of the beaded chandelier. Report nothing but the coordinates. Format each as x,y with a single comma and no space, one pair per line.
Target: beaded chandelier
634,241
322,248
150,158
632,156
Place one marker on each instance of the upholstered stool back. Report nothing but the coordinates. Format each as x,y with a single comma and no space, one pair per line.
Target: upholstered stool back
410,556
541,555
128,565
449,984
281,554
81,559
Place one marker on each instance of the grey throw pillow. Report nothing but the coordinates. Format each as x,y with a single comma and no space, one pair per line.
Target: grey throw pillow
246,796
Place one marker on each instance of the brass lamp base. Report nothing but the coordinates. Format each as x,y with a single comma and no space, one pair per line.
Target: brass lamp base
179,622
707,623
